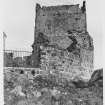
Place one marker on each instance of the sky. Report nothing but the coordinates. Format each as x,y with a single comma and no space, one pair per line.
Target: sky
18,21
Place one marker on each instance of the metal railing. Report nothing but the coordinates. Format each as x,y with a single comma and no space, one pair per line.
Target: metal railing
18,53
15,58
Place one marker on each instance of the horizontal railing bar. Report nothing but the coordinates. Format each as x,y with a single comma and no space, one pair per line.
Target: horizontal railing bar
17,51
21,68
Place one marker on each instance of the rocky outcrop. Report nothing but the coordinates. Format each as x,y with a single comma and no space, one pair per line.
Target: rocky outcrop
97,78
51,90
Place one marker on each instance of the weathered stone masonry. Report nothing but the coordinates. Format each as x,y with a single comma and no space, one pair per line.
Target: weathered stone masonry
62,29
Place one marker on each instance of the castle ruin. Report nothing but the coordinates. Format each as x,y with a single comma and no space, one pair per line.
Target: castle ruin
61,39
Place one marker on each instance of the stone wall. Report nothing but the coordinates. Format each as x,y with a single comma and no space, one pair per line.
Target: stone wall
8,59
54,59
57,20
62,30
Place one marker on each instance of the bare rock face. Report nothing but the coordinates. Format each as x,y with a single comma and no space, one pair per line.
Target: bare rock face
61,40
97,78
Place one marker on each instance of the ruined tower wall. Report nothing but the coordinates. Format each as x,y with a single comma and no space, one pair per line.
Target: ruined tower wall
57,20
65,27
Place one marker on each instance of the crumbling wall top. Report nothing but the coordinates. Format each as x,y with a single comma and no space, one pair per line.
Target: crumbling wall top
62,7
59,7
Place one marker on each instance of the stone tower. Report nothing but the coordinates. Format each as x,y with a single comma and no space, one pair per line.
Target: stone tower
64,26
